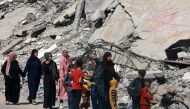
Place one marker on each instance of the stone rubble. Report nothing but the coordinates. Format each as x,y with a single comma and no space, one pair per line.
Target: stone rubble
137,36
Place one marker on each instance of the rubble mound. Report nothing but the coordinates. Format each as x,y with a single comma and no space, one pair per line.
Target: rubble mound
141,34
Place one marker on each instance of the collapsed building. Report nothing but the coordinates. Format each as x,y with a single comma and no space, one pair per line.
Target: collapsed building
151,35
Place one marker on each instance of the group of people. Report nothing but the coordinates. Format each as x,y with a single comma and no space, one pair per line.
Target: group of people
70,79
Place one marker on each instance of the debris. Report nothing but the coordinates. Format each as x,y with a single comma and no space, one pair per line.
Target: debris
51,49
30,17
66,15
91,7
100,11
110,30
32,1
186,76
78,15
10,46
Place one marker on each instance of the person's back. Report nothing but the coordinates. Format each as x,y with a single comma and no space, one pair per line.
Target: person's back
135,87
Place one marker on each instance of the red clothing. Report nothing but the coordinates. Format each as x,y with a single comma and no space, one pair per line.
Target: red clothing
76,75
145,99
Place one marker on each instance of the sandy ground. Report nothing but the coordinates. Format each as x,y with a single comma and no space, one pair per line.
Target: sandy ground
23,104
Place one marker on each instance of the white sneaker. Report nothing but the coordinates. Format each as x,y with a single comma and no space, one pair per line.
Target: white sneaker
61,106
34,102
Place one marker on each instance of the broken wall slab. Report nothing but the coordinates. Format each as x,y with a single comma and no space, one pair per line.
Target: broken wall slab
78,15
116,28
100,11
6,49
52,49
68,13
11,20
91,7
159,24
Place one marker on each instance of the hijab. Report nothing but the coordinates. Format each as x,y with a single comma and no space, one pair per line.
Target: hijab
11,57
32,57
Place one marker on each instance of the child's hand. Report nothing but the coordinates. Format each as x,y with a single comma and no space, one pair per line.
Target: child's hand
156,99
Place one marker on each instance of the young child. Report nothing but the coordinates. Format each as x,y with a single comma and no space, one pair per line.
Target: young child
68,84
146,97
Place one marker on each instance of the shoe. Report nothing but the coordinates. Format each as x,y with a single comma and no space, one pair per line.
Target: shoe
8,103
61,106
34,102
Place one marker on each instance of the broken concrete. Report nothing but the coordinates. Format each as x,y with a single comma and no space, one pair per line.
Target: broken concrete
78,15
160,24
100,11
186,76
109,32
67,14
10,46
7,25
91,7
30,17
52,49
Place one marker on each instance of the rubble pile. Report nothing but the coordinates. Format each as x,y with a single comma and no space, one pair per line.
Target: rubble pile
151,35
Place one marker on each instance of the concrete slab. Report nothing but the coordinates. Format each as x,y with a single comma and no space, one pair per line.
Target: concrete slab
10,46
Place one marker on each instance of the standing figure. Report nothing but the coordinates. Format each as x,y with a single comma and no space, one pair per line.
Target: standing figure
109,74
51,76
77,77
98,90
64,64
135,87
34,69
11,71
68,83
146,97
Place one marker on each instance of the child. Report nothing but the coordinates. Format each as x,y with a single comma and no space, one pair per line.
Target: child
145,96
77,77
68,84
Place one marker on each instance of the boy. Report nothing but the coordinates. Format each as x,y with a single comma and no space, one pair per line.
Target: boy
146,97
134,88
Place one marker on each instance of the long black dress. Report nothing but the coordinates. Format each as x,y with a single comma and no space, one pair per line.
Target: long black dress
109,74
12,82
34,70
50,76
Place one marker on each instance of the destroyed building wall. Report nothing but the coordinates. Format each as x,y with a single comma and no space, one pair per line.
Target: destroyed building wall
136,32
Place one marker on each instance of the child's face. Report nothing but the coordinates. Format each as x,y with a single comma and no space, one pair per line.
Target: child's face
147,84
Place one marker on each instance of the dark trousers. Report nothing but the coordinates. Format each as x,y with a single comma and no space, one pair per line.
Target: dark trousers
76,98
70,99
12,90
97,102
107,101
33,88
136,102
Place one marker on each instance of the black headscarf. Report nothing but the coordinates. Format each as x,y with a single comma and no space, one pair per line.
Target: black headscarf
32,57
